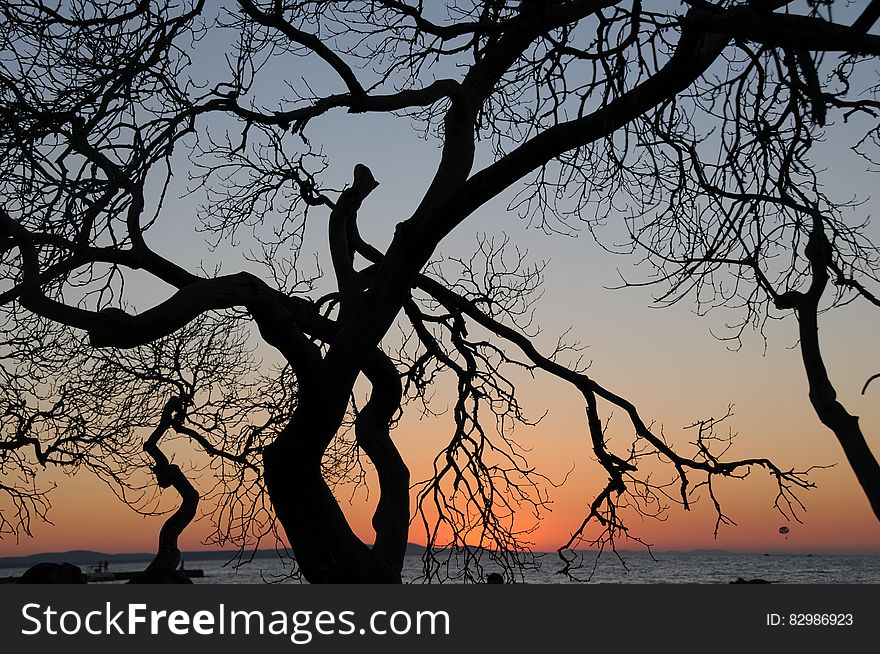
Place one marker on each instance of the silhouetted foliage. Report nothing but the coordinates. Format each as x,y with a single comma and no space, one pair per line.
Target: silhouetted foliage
694,122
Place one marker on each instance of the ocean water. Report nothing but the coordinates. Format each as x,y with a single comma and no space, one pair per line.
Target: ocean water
635,568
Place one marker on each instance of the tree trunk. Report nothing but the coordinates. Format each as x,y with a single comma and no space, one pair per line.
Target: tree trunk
163,567
833,415
323,544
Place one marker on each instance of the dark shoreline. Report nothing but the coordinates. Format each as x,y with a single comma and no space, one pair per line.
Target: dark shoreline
87,558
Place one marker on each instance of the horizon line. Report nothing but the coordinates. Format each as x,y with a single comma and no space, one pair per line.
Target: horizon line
249,552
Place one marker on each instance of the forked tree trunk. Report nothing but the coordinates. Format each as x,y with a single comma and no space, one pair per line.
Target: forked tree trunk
323,544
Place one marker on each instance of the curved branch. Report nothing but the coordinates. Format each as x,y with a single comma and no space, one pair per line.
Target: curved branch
867,18
167,558
343,227
788,30
310,41
692,57
372,429
297,119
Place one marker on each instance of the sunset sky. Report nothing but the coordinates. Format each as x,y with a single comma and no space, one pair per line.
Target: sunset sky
676,373
666,361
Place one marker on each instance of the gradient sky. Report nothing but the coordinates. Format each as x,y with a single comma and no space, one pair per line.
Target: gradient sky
664,360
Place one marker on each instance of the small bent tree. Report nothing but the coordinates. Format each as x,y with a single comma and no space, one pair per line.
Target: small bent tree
203,369
570,102
70,406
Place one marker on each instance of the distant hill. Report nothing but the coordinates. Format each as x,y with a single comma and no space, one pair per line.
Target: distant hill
86,558
76,557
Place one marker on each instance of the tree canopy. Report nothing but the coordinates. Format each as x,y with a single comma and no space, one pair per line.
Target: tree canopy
692,125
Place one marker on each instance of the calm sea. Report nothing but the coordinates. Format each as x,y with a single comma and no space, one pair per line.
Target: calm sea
664,568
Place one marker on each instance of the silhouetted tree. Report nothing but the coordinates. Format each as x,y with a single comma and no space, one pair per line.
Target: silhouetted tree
576,103
754,229
70,406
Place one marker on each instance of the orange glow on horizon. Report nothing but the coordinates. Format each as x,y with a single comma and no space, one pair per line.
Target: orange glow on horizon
779,425
88,516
